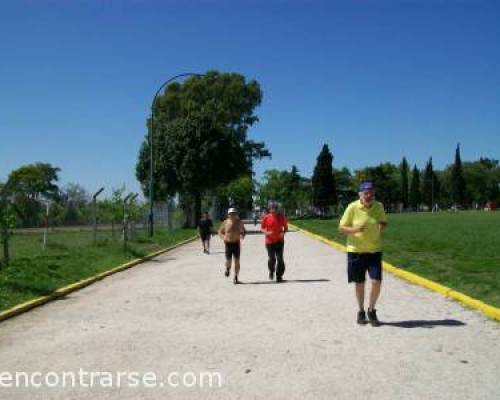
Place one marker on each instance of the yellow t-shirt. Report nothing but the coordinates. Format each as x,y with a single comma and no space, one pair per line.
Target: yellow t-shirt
356,214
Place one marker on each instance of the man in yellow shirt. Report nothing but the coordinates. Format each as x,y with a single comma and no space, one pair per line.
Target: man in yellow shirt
363,223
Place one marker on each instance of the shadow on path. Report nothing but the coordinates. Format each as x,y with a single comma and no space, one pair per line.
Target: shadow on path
285,281
424,323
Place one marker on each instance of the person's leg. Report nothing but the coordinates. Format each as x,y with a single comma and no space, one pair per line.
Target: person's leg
374,293
236,269
356,273
237,253
271,262
279,248
375,272
360,295
208,243
229,256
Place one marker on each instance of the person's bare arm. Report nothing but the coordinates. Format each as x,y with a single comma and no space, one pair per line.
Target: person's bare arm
222,230
382,226
351,230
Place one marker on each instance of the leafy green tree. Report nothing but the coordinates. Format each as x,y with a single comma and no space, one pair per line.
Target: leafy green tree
430,186
288,188
201,136
415,197
239,192
74,204
323,181
7,221
457,180
199,156
404,183
29,185
387,183
294,188
273,186
346,190
482,180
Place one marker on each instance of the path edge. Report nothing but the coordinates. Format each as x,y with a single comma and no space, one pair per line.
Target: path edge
73,287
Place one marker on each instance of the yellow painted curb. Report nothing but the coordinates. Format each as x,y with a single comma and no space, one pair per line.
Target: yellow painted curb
23,307
488,310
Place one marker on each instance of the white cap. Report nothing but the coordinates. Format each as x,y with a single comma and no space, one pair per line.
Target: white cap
232,211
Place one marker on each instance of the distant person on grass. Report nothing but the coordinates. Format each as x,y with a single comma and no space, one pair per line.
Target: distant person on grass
232,231
274,225
205,227
363,222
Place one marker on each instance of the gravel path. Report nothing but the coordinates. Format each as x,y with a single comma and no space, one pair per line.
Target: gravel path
295,340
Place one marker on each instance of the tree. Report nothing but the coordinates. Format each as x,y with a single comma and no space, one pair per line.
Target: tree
387,182
288,188
404,183
346,190
323,181
293,188
74,205
457,180
201,136
430,186
29,185
197,155
273,187
7,221
415,195
239,192
482,182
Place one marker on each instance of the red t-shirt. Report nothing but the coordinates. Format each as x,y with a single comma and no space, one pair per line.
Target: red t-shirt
276,224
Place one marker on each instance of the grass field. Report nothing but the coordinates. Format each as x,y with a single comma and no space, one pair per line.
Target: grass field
69,257
461,251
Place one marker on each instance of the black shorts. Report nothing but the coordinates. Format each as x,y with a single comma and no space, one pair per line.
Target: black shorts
205,236
359,263
232,249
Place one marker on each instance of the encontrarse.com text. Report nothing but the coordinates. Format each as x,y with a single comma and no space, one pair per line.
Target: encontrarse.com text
92,379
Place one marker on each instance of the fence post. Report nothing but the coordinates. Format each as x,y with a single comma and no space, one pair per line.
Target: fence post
46,231
125,222
4,226
94,212
6,248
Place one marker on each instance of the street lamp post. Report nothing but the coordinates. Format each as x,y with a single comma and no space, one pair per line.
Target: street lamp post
151,153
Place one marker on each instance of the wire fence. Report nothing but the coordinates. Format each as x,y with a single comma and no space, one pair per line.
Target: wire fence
126,227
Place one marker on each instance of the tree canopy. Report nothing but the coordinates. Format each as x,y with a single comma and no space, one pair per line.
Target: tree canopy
201,136
30,184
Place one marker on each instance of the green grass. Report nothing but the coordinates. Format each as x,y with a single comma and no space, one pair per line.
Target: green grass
69,257
461,251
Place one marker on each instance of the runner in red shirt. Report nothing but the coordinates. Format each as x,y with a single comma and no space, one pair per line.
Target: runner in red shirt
274,226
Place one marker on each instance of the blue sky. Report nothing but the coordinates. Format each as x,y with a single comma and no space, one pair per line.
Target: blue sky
376,80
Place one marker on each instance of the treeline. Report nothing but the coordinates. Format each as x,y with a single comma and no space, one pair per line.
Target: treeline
30,189
460,185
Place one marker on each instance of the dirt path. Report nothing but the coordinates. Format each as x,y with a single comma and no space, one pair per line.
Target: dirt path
295,340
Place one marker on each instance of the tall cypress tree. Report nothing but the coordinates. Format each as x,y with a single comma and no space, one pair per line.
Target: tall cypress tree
457,180
415,196
428,185
323,181
404,183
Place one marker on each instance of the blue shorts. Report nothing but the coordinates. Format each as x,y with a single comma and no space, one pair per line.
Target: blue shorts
359,263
